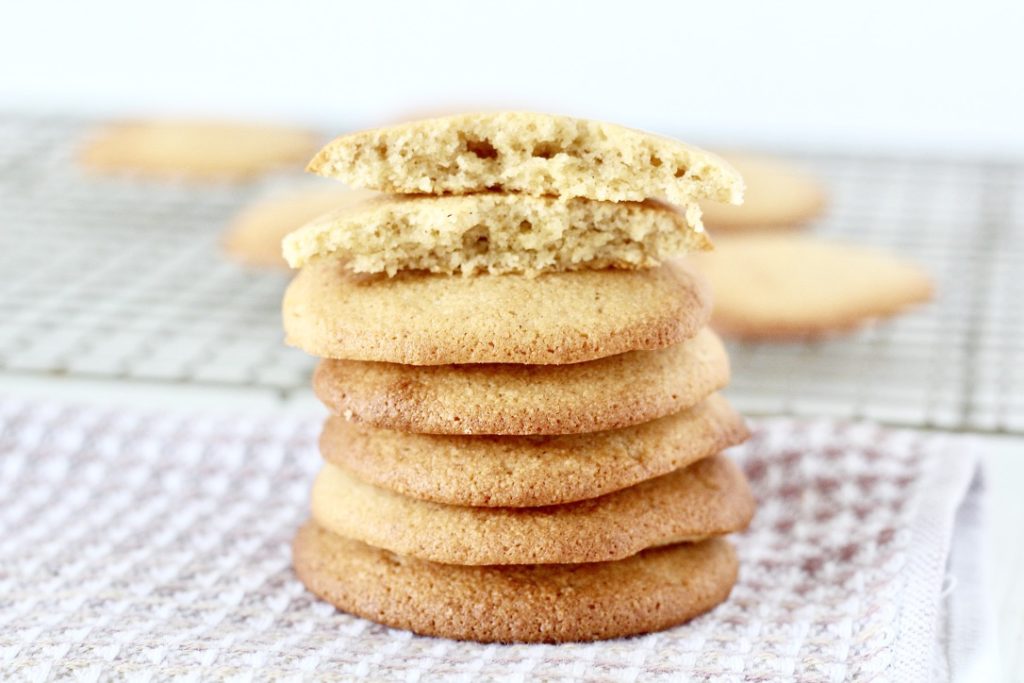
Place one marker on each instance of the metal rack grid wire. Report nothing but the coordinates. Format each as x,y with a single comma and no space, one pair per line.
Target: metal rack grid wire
123,279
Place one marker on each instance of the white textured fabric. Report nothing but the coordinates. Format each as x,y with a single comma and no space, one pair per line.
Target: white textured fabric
155,547
969,637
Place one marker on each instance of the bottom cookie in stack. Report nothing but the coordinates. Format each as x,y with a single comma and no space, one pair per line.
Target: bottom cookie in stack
650,591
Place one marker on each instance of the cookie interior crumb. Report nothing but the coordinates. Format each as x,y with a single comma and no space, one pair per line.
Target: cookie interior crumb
497,233
536,154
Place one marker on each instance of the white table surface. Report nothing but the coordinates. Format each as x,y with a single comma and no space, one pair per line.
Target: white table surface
1003,458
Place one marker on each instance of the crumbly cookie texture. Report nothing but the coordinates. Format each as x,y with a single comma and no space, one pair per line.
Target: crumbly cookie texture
650,591
789,286
530,471
538,154
428,319
509,398
709,498
778,197
196,149
497,233
255,234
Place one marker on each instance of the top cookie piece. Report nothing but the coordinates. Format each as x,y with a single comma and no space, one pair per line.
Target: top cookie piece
537,154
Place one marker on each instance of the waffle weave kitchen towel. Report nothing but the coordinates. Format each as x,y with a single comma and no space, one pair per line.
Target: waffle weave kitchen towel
147,546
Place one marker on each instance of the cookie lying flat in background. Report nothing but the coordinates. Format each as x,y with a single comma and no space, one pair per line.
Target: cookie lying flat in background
537,154
497,233
529,471
425,319
778,196
509,398
198,150
255,234
650,591
709,498
786,286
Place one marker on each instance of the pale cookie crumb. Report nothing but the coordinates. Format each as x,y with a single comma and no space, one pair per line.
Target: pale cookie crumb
537,154
496,233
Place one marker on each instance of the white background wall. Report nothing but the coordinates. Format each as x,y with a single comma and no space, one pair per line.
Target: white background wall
939,76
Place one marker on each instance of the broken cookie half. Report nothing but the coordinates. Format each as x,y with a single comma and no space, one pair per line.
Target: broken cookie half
538,154
497,233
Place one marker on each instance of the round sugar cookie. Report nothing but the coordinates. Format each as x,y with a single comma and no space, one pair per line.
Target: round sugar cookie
788,286
778,196
197,149
525,471
255,234
651,591
709,498
422,319
607,393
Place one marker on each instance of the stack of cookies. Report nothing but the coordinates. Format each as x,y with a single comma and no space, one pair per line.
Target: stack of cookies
525,436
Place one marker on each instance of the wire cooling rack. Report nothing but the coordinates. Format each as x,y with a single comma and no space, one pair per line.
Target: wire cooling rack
957,363
123,279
